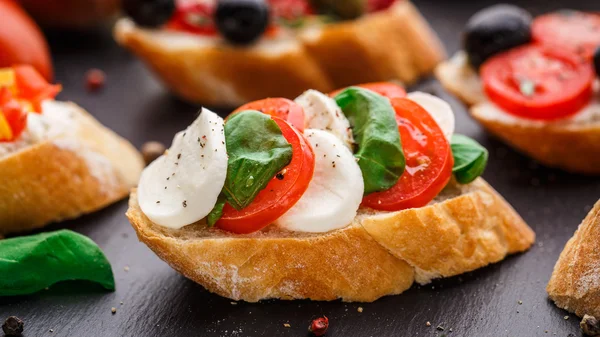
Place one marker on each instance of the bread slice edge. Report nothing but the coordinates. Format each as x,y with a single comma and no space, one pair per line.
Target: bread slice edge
356,263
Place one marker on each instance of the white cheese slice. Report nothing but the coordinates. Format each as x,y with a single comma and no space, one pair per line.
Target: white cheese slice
182,186
335,192
437,108
322,113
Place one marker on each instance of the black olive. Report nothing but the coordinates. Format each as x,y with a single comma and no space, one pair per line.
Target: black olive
149,13
495,29
242,21
597,61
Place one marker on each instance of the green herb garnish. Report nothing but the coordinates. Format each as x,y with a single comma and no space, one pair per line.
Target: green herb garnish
470,158
31,263
527,87
257,151
217,212
375,130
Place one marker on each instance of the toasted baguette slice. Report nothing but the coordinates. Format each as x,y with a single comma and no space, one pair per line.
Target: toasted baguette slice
571,144
575,282
465,228
393,44
66,176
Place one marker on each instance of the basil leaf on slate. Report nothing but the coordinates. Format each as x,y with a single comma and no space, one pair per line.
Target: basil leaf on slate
257,151
470,158
31,263
375,130
217,212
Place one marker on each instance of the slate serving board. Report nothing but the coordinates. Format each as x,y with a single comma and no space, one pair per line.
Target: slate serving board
153,300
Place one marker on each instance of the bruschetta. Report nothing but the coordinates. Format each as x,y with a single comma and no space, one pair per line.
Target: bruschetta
354,196
531,82
56,161
574,283
212,54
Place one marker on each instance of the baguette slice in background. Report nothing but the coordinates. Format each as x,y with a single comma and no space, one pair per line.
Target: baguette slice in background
393,44
465,228
66,175
575,282
571,144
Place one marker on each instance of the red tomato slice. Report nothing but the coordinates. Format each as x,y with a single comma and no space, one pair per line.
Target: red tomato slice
574,31
280,194
16,117
33,87
387,89
282,108
429,161
538,82
193,17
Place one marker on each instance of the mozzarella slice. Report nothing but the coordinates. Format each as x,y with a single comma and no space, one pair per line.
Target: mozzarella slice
437,108
335,192
323,113
182,186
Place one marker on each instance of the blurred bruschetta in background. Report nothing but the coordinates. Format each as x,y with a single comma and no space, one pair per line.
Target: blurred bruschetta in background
234,51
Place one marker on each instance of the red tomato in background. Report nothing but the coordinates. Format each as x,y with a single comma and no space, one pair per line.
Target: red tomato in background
21,41
538,82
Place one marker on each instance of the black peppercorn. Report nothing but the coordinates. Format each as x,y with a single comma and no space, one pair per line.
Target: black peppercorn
13,326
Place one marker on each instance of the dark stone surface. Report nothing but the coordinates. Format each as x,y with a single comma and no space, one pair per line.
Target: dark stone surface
159,302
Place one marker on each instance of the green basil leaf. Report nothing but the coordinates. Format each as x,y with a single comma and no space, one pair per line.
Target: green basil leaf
217,212
375,130
470,158
31,263
257,151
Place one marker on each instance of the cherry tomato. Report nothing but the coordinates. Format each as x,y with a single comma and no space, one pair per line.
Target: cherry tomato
193,17
21,41
429,161
33,87
575,31
387,89
282,192
538,82
283,108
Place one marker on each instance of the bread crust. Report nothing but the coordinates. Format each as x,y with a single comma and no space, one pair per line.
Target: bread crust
53,181
575,282
352,263
393,44
448,238
573,147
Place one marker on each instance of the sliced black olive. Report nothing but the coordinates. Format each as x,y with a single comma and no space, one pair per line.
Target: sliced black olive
597,61
149,13
495,29
242,21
